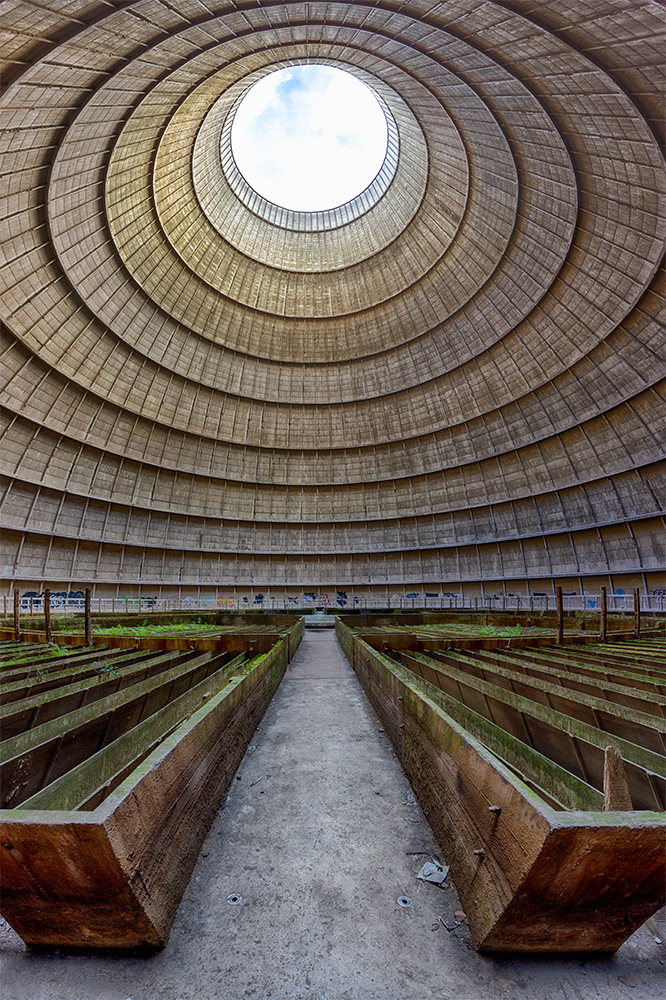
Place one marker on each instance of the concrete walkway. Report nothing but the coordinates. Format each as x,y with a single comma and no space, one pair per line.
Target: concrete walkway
316,837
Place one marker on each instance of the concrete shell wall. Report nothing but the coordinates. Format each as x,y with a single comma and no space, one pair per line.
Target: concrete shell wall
456,379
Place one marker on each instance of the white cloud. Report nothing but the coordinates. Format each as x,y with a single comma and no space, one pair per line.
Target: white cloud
309,137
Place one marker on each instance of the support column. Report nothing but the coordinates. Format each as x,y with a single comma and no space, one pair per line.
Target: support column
17,623
47,615
637,613
86,617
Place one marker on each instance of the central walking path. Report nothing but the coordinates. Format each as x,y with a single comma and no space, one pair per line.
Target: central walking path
315,838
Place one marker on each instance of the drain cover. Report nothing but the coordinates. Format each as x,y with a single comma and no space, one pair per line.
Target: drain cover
404,901
234,899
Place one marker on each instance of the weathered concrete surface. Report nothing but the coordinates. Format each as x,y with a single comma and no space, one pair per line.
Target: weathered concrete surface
319,859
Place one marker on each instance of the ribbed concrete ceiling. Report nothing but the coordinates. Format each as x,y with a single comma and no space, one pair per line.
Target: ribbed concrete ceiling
453,378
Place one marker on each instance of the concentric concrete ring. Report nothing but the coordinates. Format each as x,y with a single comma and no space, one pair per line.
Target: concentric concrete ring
453,381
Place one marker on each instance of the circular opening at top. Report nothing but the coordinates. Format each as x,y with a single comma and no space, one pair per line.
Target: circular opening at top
309,138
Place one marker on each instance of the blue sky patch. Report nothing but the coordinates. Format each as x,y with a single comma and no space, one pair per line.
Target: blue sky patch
309,137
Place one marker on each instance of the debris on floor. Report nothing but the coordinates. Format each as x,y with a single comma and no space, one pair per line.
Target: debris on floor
433,872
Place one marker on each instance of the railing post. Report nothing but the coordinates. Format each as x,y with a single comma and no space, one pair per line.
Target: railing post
47,615
637,613
560,614
17,623
604,616
86,618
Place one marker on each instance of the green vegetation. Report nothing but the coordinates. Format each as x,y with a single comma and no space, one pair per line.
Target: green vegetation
52,650
197,630
457,631
250,664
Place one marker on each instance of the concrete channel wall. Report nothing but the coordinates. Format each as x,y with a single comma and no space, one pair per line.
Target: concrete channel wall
537,868
111,844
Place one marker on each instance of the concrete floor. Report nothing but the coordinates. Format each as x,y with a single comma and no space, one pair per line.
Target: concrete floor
315,837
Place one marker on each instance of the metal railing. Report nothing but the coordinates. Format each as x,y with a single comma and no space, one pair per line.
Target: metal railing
139,605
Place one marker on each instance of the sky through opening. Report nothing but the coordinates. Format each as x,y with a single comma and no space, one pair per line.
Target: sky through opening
309,137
